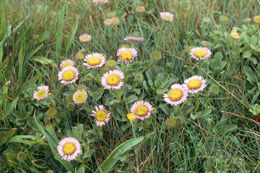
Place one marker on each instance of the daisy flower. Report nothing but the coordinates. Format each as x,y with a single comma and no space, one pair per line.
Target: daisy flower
109,21
101,115
166,16
195,84
100,1
69,148
111,63
141,109
85,38
41,93
113,79
235,35
130,38
66,63
126,54
140,9
68,75
80,96
199,53
176,95
257,19
94,60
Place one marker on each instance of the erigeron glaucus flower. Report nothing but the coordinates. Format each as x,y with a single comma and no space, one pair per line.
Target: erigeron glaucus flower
195,84
126,54
109,21
85,38
113,79
131,116
68,75
116,20
69,148
235,35
100,1
94,60
80,96
140,9
166,16
199,53
257,19
176,95
101,115
131,38
41,93
66,63
141,109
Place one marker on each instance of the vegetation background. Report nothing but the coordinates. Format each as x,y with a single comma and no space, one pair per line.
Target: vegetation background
216,131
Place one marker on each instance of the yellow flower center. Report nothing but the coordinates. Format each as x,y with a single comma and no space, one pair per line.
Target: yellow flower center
41,93
257,19
200,53
131,116
167,17
194,84
101,0
113,80
101,115
80,97
126,55
66,64
68,75
116,20
94,60
69,148
85,38
175,94
141,110
235,35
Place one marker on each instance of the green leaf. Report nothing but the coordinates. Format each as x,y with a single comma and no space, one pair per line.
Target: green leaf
131,99
11,106
59,33
117,153
5,135
25,139
44,60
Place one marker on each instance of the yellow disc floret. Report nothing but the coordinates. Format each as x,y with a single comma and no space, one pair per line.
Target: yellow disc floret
41,93
80,97
113,80
257,19
235,35
69,148
68,75
141,110
200,53
131,116
94,60
101,115
66,64
175,94
194,84
126,55
167,17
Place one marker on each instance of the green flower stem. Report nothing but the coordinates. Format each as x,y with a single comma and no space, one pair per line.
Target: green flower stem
100,131
197,103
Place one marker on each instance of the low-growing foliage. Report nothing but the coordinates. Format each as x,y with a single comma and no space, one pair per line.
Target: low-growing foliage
129,86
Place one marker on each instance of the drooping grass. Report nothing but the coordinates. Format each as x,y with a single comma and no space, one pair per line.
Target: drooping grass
36,36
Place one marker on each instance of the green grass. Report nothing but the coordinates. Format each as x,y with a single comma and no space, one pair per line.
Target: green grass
215,130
